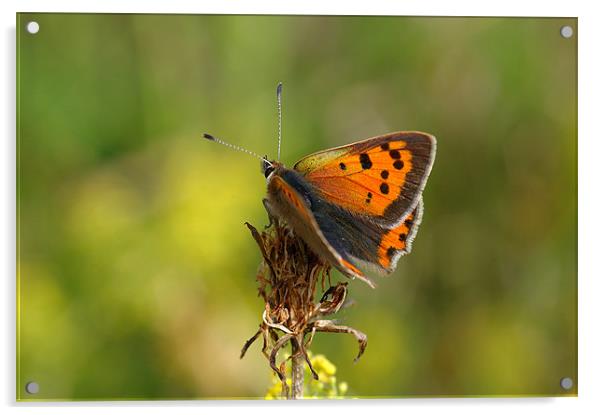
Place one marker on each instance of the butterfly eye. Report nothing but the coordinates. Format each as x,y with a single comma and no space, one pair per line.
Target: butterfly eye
266,167
268,171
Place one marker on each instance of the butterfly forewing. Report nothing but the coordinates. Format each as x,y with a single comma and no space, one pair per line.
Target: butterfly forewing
381,177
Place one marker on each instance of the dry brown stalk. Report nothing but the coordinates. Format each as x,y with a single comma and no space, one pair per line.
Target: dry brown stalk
287,277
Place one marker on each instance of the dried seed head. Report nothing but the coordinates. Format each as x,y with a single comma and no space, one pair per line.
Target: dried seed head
287,279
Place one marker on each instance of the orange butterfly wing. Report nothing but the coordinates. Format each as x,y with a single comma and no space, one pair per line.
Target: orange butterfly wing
381,177
398,240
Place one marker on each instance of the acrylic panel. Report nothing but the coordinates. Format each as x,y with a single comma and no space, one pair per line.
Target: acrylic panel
138,279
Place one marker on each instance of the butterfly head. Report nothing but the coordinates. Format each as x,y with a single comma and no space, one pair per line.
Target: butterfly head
268,167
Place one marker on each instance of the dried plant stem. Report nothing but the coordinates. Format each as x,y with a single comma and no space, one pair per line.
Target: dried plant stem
297,369
288,279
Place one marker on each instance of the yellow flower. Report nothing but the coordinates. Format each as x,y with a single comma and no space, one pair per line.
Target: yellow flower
325,387
322,364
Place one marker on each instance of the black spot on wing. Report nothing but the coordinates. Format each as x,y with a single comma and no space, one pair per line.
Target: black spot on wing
395,154
421,148
365,161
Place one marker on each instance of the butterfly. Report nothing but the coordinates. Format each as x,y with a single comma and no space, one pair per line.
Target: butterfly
358,205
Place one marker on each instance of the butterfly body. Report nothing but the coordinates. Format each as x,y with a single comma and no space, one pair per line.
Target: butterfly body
355,205
291,198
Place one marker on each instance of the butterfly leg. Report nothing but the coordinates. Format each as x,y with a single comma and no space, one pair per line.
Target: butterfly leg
272,218
329,327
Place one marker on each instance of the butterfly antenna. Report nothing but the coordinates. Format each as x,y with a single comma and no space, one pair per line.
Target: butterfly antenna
235,147
279,99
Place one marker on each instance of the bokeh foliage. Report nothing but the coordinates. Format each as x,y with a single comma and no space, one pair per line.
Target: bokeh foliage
136,274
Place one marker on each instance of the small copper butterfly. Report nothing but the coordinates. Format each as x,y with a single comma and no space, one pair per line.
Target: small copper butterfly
358,205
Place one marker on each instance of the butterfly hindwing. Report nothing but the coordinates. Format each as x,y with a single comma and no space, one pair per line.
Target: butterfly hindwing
381,177
398,240
363,242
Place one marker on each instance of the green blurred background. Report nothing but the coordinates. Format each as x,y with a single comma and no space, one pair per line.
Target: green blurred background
137,276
